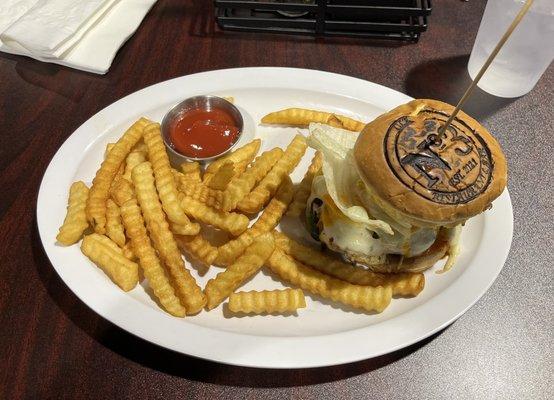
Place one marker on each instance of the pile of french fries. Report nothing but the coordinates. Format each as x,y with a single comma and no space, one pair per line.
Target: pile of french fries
141,213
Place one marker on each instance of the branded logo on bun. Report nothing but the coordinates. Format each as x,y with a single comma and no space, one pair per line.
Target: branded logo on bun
453,169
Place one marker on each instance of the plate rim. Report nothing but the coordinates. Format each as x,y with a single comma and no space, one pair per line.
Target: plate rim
503,202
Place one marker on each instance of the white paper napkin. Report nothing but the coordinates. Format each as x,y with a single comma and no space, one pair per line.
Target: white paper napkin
53,26
82,34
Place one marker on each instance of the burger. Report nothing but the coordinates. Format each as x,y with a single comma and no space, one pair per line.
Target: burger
394,197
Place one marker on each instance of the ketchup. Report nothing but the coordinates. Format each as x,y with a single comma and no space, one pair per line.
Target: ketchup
201,133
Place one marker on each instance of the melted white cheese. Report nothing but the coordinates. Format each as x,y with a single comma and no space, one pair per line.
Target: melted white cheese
339,231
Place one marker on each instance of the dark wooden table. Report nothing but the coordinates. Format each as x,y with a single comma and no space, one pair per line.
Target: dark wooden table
53,346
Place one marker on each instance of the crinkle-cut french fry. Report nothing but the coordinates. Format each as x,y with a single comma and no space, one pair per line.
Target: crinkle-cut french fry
402,284
272,214
99,192
220,287
75,222
165,182
191,171
258,198
200,192
119,269
121,191
128,252
241,185
233,248
303,117
106,241
109,148
267,301
245,153
118,176
114,227
198,248
183,282
148,260
121,168
368,298
240,166
298,205
345,122
177,176
180,229
267,221
229,252
223,176
140,147
133,159
231,222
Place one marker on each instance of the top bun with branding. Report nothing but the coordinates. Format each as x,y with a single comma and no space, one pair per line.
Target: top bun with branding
430,181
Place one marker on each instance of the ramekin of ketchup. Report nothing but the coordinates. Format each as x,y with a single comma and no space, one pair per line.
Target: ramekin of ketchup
201,128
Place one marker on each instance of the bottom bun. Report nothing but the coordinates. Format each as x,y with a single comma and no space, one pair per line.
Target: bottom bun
396,263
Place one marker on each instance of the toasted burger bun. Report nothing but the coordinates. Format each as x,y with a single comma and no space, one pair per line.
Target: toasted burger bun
428,182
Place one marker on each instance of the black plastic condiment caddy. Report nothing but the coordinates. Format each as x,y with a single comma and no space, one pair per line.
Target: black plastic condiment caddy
379,19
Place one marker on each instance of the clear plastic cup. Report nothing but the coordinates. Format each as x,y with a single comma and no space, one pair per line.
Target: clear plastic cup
524,57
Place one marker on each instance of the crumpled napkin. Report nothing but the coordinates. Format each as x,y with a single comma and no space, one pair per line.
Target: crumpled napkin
82,34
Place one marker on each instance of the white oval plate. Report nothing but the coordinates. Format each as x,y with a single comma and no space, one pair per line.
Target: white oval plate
323,333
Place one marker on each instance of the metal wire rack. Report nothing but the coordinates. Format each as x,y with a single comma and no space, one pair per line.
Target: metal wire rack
380,19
